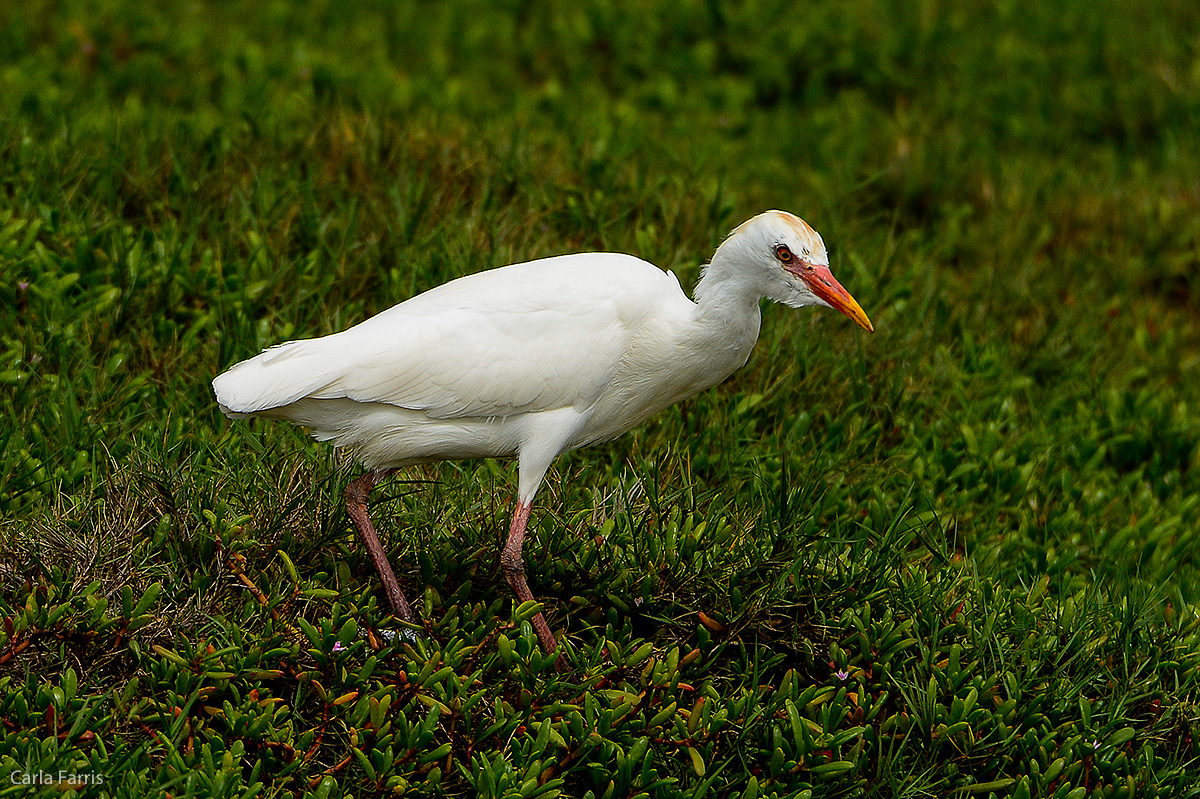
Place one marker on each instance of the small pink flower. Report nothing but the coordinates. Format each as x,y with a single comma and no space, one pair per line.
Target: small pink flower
337,646
842,675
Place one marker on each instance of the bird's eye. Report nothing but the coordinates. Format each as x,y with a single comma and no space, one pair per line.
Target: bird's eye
784,255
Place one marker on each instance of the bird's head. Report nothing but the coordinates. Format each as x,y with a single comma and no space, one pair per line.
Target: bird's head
789,263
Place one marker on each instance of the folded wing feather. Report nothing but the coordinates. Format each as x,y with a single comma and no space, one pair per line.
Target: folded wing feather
535,336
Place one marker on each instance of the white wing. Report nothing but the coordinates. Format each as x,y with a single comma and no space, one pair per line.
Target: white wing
535,336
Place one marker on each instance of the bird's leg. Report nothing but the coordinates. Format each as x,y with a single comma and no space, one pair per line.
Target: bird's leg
514,571
356,505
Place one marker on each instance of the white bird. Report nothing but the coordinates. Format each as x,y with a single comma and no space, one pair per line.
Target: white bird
532,360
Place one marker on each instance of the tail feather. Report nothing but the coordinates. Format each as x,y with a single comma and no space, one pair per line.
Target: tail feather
276,377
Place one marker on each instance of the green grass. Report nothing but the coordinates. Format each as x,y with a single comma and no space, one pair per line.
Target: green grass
956,557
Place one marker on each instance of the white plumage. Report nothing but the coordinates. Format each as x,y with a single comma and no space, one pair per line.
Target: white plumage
532,360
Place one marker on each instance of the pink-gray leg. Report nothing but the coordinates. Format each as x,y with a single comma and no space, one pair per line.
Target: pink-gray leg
514,571
356,505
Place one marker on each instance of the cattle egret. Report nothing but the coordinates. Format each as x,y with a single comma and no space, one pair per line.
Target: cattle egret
532,360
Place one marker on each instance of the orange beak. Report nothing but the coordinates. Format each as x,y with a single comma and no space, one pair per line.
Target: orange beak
822,283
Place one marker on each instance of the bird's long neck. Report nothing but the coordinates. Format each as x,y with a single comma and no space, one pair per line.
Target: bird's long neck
724,290
727,309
